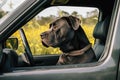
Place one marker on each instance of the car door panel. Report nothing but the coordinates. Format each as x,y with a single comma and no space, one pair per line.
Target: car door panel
46,60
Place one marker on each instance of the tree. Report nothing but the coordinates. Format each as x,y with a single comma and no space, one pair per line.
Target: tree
45,20
62,13
74,13
91,18
93,13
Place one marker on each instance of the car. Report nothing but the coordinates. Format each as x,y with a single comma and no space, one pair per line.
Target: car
27,66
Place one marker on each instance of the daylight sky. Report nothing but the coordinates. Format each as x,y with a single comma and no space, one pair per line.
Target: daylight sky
49,11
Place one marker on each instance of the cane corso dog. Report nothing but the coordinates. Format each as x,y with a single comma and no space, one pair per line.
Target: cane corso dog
67,34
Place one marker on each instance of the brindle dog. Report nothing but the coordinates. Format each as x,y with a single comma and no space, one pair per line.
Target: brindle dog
67,34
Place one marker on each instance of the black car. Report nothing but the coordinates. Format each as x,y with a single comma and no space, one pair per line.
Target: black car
27,66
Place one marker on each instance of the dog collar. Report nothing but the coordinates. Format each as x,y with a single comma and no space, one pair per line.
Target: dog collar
78,52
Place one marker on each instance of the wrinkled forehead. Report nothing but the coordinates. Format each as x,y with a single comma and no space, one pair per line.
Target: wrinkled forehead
59,21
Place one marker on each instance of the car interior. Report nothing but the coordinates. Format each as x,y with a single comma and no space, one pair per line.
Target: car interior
10,61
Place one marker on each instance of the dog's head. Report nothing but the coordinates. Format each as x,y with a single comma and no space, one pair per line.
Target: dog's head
61,31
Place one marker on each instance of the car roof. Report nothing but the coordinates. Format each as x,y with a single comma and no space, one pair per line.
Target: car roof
90,3
105,6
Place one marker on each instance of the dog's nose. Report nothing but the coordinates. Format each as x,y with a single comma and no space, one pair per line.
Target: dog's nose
43,35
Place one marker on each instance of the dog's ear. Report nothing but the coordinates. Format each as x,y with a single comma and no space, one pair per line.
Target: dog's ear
75,22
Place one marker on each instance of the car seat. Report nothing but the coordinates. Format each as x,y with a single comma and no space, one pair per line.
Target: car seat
100,34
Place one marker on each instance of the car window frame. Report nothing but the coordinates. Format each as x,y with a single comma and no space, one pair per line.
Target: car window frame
92,64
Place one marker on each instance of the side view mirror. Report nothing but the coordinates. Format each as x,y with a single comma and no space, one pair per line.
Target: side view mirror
12,43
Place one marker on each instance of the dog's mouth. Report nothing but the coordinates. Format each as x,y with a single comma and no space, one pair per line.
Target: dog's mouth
44,44
48,44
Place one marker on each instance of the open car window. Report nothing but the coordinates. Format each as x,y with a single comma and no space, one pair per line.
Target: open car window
31,49
41,22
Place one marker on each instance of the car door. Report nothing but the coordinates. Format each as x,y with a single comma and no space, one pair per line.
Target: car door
104,69
118,73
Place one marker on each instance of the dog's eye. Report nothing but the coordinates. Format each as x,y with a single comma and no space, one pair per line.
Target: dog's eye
50,26
55,27
54,24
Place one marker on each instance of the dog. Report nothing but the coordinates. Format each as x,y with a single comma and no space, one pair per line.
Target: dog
67,34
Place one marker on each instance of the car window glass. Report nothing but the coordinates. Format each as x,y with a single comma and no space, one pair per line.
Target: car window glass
41,22
7,6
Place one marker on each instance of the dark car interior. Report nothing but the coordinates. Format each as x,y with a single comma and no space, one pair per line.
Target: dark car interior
10,61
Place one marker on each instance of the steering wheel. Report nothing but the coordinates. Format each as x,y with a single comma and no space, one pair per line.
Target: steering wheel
28,53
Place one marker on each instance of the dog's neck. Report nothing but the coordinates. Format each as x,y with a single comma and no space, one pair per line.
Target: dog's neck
78,42
66,48
72,46
78,52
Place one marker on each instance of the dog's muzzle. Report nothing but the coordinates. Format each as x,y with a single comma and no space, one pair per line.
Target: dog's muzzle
44,35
